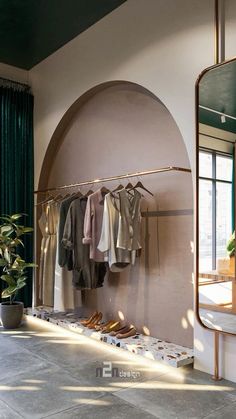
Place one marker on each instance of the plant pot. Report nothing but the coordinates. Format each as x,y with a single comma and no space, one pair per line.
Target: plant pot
11,314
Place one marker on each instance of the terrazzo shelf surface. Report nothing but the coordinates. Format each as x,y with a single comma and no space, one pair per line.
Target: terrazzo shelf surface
147,346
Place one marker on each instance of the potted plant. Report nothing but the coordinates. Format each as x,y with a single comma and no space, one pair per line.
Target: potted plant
231,245
13,269
231,252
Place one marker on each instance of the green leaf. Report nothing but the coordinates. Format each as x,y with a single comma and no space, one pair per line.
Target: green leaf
3,262
27,229
6,230
19,241
21,279
6,218
21,285
9,279
7,256
231,244
20,282
30,265
17,216
8,292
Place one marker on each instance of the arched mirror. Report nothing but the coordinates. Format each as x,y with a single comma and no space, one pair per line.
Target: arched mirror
216,136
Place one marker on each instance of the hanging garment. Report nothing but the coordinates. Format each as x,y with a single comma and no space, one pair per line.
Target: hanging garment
93,224
129,230
48,224
64,254
87,274
117,258
66,297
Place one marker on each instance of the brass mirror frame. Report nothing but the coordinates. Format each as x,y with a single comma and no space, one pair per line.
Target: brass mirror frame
196,292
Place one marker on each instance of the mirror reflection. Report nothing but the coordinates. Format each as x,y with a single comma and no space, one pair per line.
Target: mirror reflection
216,197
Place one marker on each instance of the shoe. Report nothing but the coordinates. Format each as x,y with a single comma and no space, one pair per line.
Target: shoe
87,321
105,326
123,329
113,326
100,326
131,332
95,321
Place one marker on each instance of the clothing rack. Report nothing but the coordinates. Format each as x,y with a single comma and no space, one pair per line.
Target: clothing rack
112,178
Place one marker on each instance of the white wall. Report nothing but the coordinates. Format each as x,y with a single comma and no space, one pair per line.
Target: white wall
160,44
14,73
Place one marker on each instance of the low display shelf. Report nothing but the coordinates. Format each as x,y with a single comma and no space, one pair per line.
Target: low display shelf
147,346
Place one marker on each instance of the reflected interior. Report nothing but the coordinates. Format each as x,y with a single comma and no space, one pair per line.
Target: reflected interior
216,197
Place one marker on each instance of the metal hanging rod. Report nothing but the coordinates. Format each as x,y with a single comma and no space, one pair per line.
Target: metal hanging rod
109,179
217,112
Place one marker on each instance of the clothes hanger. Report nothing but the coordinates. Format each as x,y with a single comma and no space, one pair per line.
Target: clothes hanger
59,198
49,198
104,190
141,186
118,188
129,186
77,194
89,193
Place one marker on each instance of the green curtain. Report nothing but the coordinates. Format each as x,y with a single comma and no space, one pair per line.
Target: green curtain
17,165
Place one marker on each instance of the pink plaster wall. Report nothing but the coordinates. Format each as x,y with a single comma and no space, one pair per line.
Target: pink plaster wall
125,129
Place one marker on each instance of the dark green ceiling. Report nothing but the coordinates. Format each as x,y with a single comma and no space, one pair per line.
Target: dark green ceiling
217,90
31,30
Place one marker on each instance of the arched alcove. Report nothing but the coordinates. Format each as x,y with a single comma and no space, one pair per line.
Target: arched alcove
120,127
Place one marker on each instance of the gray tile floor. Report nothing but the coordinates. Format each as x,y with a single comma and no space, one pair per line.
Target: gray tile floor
47,373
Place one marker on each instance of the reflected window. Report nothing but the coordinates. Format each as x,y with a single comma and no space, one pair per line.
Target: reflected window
215,207
205,164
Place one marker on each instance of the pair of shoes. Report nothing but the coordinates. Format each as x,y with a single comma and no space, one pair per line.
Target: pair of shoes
90,319
95,321
102,326
122,329
114,325
105,326
122,334
99,326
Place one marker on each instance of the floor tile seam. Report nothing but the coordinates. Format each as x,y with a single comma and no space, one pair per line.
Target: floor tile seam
42,358
11,408
99,397
8,380
16,375
218,409
70,408
23,347
27,351
137,407
135,385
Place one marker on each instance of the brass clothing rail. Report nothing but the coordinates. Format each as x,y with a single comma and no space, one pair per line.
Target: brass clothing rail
108,179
